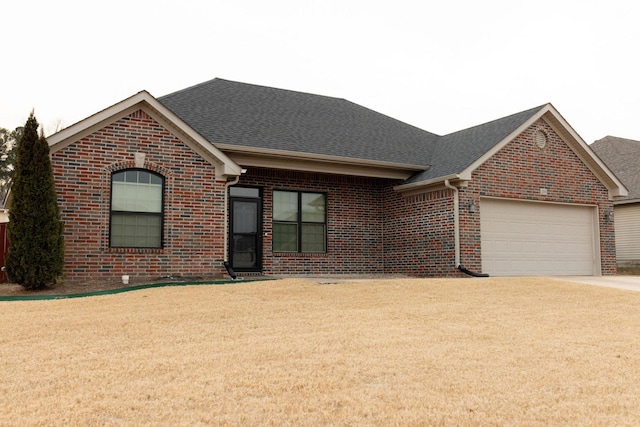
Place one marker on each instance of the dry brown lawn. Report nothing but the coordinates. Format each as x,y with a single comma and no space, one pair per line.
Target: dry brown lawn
532,352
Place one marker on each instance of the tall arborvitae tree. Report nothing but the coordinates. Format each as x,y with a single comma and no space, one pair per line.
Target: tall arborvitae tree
36,243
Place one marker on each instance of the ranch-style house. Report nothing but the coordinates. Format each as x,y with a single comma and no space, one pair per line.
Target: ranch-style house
231,178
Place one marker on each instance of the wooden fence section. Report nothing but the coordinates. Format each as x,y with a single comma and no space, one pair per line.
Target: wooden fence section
4,247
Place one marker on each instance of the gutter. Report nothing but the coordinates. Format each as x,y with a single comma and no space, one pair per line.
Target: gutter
422,185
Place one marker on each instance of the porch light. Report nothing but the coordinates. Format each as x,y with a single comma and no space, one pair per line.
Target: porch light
472,206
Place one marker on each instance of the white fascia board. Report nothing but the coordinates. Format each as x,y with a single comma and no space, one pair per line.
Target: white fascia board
459,179
77,131
550,115
283,159
488,154
626,202
145,101
585,153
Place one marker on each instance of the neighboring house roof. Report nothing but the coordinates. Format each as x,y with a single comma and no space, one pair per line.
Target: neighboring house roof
623,158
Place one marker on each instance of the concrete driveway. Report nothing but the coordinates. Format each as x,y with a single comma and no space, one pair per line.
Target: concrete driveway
631,283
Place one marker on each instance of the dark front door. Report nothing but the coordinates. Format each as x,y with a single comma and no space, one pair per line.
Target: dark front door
245,248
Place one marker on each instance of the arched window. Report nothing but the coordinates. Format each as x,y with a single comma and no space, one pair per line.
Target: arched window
136,209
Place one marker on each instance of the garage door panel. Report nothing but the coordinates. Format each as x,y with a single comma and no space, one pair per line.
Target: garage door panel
529,238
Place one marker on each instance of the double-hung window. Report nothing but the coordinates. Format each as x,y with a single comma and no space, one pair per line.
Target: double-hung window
136,209
299,221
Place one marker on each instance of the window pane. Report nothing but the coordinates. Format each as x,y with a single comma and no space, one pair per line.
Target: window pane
285,237
118,232
244,192
244,252
245,217
131,176
313,238
149,198
155,179
137,230
285,206
147,232
136,196
313,207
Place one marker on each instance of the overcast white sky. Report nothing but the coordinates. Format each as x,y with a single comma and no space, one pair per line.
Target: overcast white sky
440,65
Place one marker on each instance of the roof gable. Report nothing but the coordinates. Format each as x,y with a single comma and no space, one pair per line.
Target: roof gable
456,152
460,153
146,102
621,156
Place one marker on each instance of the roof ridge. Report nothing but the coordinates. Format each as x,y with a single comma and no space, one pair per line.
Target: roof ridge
611,138
532,110
189,88
304,94
219,79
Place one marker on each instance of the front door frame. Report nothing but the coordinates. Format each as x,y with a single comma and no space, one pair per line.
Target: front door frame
257,235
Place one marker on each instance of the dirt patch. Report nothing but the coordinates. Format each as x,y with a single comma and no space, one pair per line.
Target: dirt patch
629,271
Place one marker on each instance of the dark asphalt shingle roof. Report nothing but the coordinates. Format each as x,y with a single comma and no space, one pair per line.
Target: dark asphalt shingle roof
226,112
622,156
234,113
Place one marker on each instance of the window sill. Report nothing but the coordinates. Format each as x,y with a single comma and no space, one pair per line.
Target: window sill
135,250
301,254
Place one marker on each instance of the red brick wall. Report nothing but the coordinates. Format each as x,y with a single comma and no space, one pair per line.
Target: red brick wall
419,234
419,230
371,228
194,200
520,170
354,222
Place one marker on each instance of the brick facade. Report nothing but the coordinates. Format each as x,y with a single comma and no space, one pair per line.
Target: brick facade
419,231
420,234
371,228
519,170
355,232
193,204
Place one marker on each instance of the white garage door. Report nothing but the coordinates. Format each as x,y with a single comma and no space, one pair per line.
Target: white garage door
531,239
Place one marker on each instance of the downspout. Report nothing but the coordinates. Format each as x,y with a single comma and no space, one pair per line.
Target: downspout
456,219
456,230
226,264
